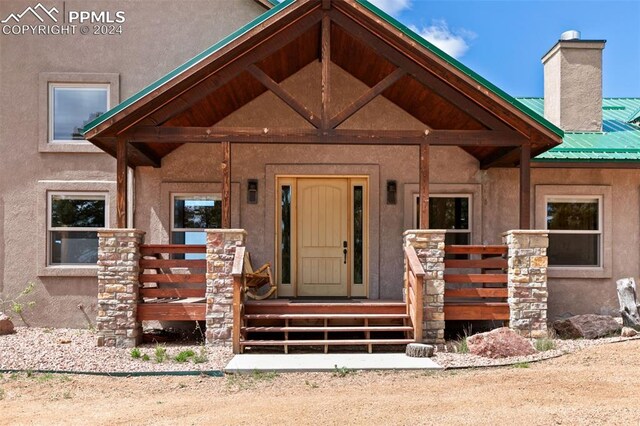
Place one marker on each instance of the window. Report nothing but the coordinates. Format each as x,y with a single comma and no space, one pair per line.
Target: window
73,222
191,214
72,106
285,234
450,212
575,230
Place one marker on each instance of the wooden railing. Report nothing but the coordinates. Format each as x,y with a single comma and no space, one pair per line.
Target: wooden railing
238,297
172,289
479,294
414,282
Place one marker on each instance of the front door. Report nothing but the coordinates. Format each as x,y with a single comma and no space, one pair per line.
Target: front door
322,237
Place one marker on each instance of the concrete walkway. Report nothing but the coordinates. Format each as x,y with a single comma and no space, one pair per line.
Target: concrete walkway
248,363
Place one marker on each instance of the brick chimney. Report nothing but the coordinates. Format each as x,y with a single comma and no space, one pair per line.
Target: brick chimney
573,83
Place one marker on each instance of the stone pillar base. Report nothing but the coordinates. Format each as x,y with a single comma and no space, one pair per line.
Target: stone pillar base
429,245
221,249
118,285
527,281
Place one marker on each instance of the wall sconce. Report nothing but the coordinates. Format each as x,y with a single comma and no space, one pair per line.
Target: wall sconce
392,191
252,191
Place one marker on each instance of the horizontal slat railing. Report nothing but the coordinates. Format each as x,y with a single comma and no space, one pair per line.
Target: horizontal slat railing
479,294
172,289
414,282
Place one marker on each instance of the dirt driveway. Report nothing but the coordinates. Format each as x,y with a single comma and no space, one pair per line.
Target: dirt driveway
589,387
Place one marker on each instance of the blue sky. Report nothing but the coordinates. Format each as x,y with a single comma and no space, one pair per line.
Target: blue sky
504,40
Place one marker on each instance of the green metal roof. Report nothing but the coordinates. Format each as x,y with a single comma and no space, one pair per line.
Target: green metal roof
190,63
619,140
279,6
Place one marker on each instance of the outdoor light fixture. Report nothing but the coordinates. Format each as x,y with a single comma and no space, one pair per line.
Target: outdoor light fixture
392,190
252,191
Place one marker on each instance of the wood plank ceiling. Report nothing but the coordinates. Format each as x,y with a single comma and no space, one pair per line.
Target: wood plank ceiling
226,86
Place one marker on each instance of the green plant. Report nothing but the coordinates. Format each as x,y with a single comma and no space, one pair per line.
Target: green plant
184,355
135,353
544,344
463,346
521,365
342,371
145,357
17,305
44,377
201,357
160,353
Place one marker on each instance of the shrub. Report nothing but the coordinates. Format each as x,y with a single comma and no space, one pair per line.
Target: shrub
544,344
160,353
135,353
184,355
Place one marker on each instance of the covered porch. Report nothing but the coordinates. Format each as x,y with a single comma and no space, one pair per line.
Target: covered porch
343,89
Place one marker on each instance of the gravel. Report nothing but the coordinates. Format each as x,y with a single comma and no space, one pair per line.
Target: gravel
76,350
450,359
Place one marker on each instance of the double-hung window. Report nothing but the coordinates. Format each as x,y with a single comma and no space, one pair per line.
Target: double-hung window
72,106
575,230
191,214
73,221
451,212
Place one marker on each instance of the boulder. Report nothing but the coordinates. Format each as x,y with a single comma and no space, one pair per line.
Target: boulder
6,326
628,332
499,343
588,326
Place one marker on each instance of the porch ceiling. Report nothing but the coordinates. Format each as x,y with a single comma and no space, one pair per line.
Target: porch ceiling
412,76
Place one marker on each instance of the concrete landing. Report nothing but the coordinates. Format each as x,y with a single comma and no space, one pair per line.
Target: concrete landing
281,363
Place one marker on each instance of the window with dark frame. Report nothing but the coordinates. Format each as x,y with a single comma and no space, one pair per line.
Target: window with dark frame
73,219
191,215
450,212
575,231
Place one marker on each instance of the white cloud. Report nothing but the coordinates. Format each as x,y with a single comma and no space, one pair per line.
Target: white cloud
455,43
392,7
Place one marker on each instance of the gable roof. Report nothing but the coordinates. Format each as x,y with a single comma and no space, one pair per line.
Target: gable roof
155,104
619,140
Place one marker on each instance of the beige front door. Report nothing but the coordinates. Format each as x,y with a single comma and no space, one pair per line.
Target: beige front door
323,214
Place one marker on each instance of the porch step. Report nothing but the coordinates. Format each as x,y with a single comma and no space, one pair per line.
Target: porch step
325,316
328,329
288,323
334,342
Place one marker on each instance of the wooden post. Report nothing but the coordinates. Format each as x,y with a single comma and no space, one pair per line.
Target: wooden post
525,186
121,178
326,65
226,185
424,186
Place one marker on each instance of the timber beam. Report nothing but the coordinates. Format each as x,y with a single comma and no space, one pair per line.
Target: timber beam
171,135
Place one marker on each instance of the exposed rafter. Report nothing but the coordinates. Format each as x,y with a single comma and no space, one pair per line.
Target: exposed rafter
280,92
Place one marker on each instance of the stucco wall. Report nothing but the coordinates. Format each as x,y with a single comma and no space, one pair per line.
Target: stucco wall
157,36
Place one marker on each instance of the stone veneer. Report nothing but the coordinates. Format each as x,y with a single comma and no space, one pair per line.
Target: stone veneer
527,281
118,269
429,245
221,249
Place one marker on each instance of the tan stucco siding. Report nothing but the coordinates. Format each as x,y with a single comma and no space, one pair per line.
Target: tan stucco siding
157,36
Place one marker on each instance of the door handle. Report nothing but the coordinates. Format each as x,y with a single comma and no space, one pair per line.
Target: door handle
344,251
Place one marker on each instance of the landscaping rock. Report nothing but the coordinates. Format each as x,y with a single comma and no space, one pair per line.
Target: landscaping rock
499,343
6,326
628,332
419,350
588,326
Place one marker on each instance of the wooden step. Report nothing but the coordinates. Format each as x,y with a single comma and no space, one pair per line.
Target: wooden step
291,307
326,316
294,329
333,342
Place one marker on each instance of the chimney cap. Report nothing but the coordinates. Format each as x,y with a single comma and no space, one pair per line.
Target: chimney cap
570,35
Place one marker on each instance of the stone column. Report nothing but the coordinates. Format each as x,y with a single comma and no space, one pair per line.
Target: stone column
527,281
221,249
429,245
118,285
